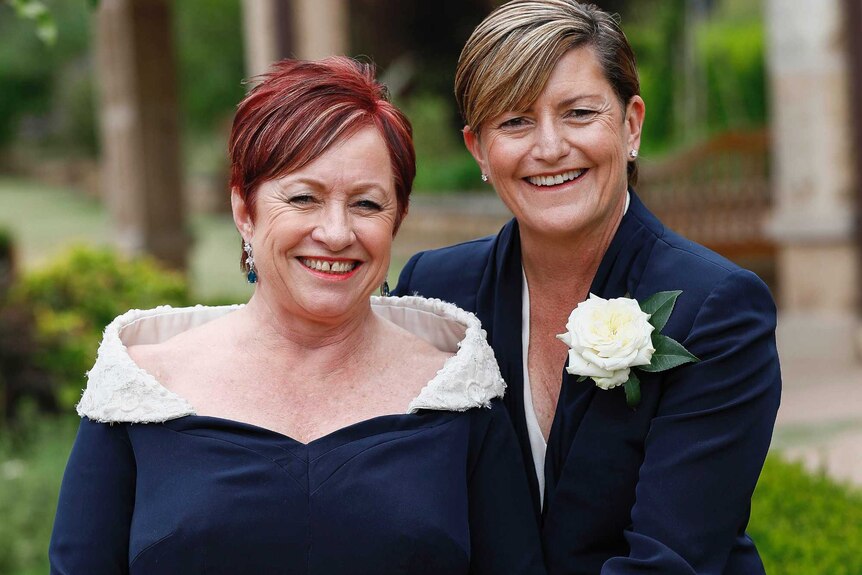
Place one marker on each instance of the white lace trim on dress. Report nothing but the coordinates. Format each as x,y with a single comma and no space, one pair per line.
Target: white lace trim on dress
120,391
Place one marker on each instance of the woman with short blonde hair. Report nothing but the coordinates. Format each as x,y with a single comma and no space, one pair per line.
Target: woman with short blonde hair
639,463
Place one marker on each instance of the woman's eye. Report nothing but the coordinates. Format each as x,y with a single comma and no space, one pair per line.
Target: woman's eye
582,113
514,122
368,205
301,199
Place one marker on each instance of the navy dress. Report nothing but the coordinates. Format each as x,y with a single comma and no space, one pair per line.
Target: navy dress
664,488
415,493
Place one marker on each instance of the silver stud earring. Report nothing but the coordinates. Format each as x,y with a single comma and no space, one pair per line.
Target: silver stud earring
633,154
251,274
384,288
484,177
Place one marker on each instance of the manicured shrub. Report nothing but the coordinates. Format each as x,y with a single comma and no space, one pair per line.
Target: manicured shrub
806,524
76,296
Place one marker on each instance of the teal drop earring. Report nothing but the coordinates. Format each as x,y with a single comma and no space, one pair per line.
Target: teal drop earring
251,274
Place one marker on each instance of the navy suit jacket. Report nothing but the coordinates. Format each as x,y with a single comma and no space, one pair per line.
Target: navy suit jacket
666,487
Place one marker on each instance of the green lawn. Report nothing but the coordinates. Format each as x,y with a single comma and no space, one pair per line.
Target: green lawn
46,220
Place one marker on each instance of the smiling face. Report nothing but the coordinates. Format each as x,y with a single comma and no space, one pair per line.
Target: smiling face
322,235
560,165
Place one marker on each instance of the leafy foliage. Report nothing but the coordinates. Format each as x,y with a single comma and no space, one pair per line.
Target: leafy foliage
698,78
442,161
47,92
806,524
659,306
210,53
46,28
33,97
74,298
734,60
31,469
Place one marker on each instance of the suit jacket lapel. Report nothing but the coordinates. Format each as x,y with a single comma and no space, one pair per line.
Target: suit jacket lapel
618,274
499,308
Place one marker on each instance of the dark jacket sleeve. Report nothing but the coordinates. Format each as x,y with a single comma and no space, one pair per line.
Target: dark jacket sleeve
504,535
403,288
94,514
708,440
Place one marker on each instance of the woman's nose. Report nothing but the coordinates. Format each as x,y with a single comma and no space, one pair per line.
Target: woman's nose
550,143
334,229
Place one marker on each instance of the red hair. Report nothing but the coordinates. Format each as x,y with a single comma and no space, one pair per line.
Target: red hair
300,109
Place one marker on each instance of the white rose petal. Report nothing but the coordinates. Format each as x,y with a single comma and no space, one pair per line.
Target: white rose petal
566,338
606,338
644,356
618,378
578,366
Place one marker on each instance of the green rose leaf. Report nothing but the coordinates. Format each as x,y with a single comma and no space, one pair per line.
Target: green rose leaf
659,306
633,390
669,353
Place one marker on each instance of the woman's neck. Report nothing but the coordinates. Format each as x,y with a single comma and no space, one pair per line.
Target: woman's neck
563,267
326,345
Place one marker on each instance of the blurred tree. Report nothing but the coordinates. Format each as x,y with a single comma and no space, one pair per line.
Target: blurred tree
34,80
35,10
210,55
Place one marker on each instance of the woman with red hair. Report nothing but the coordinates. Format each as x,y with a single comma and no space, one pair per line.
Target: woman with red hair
314,429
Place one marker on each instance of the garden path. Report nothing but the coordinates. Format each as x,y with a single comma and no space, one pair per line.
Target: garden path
820,419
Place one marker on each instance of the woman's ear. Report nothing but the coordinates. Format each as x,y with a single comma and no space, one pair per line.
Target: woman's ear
634,121
241,214
471,140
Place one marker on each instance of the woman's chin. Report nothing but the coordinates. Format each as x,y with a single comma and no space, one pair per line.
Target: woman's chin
331,309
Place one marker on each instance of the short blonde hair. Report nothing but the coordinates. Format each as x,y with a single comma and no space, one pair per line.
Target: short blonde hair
509,57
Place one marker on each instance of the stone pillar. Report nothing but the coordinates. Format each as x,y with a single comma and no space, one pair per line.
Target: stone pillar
261,35
140,128
307,29
852,27
814,179
320,28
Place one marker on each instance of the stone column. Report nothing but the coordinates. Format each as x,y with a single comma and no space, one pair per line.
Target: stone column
814,179
261,35
308,29
140,128
320,28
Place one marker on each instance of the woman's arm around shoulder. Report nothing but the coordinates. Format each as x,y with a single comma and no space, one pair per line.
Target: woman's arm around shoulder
97,497
504,531
708,440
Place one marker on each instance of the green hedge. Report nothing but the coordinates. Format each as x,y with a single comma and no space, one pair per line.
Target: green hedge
75,297
806,524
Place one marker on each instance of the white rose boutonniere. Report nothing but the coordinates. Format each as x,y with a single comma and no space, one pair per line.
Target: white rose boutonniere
609,337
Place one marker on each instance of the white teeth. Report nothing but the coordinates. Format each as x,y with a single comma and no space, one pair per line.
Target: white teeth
554,180
330,267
